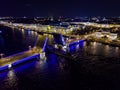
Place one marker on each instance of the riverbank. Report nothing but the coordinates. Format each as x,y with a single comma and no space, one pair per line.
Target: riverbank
104,41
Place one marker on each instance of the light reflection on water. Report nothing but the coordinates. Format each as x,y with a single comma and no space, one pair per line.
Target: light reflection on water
52,71
101,49
2,42
13,41
41,64
12,79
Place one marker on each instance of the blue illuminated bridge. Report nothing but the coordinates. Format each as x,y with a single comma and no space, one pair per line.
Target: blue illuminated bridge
60,47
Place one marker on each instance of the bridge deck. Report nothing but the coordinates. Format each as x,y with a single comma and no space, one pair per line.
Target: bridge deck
16,57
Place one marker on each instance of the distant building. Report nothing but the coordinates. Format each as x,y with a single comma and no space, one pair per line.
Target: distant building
112,36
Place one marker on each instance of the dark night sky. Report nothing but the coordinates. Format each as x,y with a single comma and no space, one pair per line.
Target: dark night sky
60,8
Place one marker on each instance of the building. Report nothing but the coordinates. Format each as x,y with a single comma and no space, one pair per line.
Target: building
112,36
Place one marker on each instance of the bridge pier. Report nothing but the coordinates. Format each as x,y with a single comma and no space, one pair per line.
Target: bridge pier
42,56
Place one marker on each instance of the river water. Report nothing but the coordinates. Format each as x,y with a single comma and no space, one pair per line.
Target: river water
13,41
96,67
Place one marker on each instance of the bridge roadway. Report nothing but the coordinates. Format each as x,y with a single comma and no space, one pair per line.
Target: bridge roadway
13,58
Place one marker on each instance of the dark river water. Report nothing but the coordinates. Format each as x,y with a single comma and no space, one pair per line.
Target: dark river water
13,41
96,67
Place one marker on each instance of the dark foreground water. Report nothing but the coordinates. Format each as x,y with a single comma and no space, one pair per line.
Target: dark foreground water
96,67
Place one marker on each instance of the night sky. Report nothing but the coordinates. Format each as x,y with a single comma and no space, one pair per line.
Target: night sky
69,8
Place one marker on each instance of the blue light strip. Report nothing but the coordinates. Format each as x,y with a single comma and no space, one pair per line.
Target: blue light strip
4,68
25,59
77,42
82,40
43,49
20,62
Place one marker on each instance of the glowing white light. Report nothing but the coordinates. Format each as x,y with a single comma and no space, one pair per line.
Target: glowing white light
64,48
10,66
42,55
